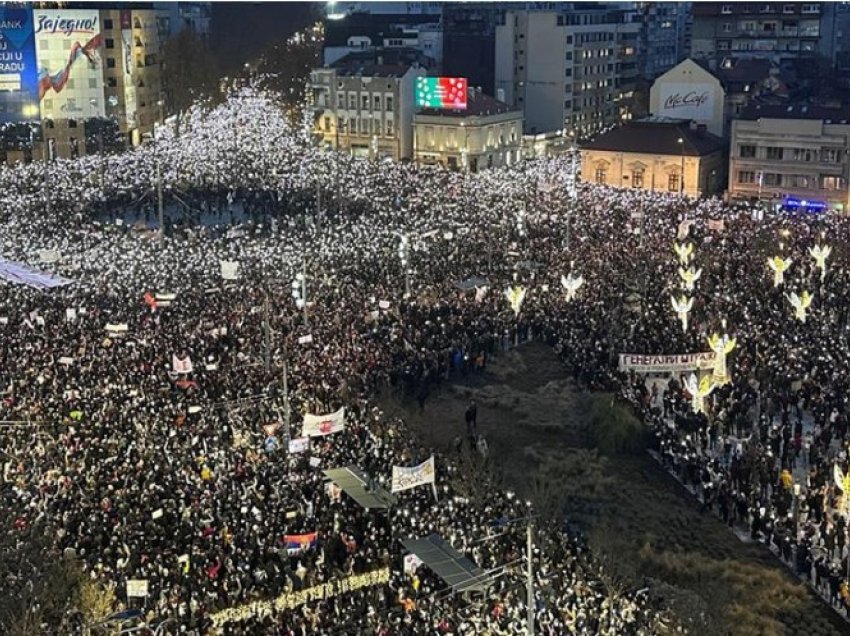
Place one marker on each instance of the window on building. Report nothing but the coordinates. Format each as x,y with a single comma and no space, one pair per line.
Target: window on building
788,8
774,152
341,123
810,8
772,179
327,124
637,178
388,102
746,151
111,82
352,102
110,43
364,102
673,182
746,176
376,100
601,174
830,155
832,183
727,27
107,25
340,100
726,9
390,128
110,62
804,154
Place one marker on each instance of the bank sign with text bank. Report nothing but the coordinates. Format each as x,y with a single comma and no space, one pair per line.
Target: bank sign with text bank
18,68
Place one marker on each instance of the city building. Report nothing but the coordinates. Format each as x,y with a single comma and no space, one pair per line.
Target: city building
665,36
488,133
715,98
365,108
791,156
654,154
574,71
368,31
132,70
179,16
689,91
780,31
469,41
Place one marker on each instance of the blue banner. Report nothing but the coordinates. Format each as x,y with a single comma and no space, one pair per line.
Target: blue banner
18,68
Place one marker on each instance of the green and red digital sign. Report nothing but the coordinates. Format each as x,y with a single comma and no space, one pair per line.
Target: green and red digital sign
441,92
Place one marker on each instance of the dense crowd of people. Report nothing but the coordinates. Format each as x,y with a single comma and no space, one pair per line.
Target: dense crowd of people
183,479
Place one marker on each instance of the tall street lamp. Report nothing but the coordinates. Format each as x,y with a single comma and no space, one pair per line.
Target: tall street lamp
681,142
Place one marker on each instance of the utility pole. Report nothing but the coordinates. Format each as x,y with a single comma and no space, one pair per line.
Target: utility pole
529,579
266,336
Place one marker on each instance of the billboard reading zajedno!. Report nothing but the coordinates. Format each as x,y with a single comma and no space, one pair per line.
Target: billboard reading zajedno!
70,76
18,69
687,101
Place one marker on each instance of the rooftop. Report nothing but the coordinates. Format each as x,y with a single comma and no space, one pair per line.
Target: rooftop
477,105
654,136
830,115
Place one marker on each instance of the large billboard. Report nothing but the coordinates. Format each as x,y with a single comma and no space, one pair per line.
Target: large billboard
687,101
441,92
70,75
18,69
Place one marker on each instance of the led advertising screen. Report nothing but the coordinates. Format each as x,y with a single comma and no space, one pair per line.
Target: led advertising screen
18,69
441,92
70,76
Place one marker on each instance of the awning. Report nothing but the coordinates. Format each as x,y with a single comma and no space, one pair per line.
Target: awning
355,484
458,571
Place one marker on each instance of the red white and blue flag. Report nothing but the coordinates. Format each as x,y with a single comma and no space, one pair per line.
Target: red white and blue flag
57,81
296,543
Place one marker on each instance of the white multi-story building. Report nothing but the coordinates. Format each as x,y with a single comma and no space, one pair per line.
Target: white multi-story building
365,109
574,71
791,156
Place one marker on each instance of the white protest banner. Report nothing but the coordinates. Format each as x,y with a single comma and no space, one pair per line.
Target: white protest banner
411,564
716,225
137,587
305,339
229,269
669,363
299,445
164,300
405,478
181,366
70,314
384,304
318,425
683,230
49,256
117,328
66,360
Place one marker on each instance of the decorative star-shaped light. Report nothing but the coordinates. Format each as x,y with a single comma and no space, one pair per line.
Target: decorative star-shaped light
800,303
722,346
778,265
820,253
684,252
515,296
699,391
682,306
842,480
571,284
689,277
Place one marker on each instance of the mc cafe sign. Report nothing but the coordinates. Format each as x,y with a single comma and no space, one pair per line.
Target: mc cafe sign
694,101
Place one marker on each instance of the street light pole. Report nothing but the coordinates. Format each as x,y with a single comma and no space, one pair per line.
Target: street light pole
682,181
529,579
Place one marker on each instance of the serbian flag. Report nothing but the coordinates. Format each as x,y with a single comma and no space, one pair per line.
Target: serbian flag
57,81
296,543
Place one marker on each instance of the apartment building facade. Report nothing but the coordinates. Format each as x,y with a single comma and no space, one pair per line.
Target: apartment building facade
791,156
574,71
365,109
780,31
